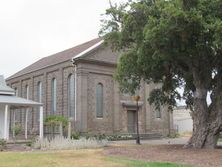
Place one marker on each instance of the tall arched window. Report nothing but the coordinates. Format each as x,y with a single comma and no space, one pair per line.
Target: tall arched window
99,100
71,96
53,96
39,92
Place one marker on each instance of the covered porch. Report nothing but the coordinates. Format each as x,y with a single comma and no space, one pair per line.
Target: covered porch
9,103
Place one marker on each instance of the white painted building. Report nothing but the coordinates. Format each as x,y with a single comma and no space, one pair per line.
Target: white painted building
182,120
8,103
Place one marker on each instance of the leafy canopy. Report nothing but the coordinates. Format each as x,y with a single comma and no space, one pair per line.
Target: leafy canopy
177,43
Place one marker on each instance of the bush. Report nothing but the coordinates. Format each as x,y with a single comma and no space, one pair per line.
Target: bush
114,137
2,144
17,129
75,136
60,142
173,135
31,142
95,136
117,137
54,120
101,137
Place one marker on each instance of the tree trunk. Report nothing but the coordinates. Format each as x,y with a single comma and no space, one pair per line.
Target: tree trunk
206,118
206,123
204,137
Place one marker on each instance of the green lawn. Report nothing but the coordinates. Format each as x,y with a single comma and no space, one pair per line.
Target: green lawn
137,163
73,158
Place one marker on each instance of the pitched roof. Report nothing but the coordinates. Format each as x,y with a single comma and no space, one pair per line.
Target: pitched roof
7,96
57,58
18,101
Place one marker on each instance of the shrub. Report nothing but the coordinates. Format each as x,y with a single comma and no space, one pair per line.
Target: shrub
54,121
31,142
60,142
95,136
116,137
75,136
2,144
173,135
17,129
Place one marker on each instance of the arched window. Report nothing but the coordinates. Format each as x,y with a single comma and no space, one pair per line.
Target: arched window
71,96
39,92
99,100
53,96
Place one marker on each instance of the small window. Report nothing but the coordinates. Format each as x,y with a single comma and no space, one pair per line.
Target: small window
99,100
71,96
53,96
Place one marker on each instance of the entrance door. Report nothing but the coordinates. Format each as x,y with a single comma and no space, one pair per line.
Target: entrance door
131,116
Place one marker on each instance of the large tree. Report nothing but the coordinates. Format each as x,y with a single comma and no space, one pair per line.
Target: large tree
177,43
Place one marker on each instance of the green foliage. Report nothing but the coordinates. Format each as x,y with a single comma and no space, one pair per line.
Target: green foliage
17,129
29,144
32,141
54,120
176,43
2,144
75,135
100,137
117,137
173,135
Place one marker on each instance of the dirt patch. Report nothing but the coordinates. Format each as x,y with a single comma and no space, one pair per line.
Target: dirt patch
169,153
17,148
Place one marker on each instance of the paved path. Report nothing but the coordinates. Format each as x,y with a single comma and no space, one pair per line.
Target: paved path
181,140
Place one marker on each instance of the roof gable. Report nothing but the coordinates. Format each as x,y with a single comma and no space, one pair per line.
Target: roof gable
103,54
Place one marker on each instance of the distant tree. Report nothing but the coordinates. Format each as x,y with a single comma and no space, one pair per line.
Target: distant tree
177,43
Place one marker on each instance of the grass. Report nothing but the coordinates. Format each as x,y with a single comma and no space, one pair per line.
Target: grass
71,158
138,163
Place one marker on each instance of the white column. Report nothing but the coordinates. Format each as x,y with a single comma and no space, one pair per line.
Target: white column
75,91
13,123
26,123
41,122
6,128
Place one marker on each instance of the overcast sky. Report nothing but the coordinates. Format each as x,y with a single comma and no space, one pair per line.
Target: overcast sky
32,29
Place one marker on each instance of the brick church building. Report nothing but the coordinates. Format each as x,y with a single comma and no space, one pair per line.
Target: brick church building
78,83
